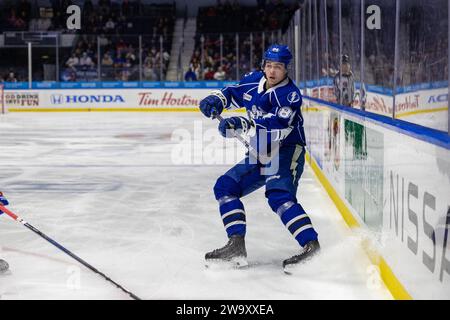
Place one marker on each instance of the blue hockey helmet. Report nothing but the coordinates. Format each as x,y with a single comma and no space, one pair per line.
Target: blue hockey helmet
278,53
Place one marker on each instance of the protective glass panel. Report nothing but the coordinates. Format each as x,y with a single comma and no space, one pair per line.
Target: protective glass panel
245,52
13,64
258,49
378,60
119,58
308,48
347,81
315,47
155,57
80,63
229,56
422,88
210,60
332,29
44,64
303,49
323,50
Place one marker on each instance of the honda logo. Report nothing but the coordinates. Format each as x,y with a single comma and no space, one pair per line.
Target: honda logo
56,98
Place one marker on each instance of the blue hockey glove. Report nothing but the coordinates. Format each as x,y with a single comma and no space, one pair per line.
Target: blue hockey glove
213,104
3,201
234,125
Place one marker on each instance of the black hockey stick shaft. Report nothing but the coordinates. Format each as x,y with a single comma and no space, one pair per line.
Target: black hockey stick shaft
74,256
264,159
241,139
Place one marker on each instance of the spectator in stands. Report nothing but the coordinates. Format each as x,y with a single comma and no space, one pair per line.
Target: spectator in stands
86,61
190,75
344,87
73,62
153,58
107,61
130,55
208,73
109,26
90,49
24,10
15,21
220,74
119,60
166,57
121,46
41,24
150,72
126,71
11,77
69,75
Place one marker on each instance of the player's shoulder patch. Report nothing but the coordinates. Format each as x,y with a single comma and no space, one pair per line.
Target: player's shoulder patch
284,112
248,74
293,97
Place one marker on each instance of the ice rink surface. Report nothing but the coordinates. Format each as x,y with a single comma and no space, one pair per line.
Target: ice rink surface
110,188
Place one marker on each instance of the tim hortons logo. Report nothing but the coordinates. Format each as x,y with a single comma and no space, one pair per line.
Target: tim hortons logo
168,99
378,104
410,103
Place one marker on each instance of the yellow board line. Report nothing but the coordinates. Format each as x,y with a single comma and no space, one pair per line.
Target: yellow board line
390,280
420,111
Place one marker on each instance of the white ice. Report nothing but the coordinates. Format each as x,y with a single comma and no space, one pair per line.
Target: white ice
106,187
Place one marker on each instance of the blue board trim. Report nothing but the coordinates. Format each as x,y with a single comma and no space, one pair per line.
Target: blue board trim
120,85
204,85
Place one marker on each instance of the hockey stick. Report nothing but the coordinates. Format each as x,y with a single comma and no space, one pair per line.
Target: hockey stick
56,244
262,158
240,138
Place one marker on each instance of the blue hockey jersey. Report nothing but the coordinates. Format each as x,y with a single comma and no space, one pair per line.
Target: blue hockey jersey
276,110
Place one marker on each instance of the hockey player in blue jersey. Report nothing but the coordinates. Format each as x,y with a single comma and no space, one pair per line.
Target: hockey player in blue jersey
273,105
3,264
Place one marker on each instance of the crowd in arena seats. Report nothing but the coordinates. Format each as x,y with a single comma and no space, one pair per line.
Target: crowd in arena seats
114,26
221,23
24,15
10,76
117,28
119,59
18,15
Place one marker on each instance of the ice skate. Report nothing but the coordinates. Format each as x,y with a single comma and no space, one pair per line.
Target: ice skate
309,250
233,254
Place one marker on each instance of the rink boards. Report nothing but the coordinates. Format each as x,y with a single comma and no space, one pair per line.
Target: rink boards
425,104
393,181
177,99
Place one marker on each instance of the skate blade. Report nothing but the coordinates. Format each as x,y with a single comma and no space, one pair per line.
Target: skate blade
218,264
295,268
292,269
